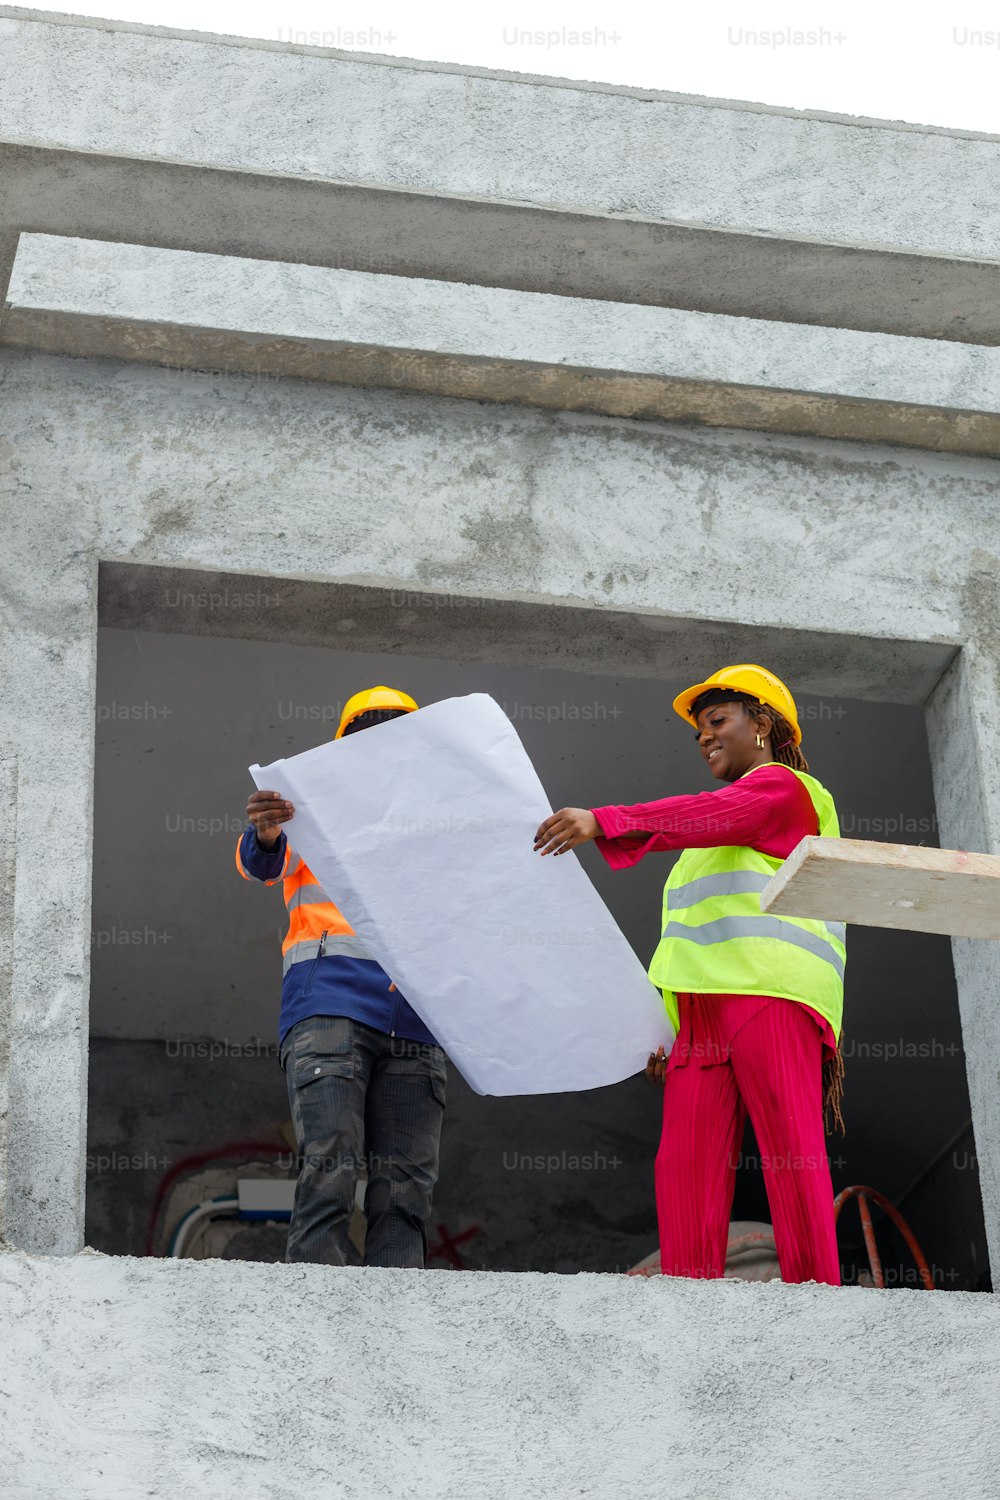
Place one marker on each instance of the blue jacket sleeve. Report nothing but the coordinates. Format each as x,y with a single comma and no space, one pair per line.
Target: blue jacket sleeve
255,863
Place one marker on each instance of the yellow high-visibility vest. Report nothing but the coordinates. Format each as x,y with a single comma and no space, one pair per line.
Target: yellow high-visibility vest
716,940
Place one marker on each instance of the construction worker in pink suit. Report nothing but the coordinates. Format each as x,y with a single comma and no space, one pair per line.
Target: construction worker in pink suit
756,999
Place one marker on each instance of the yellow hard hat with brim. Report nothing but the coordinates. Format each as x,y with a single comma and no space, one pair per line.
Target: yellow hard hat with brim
756,681
370,700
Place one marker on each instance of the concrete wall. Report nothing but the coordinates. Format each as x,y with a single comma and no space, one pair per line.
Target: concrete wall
217,1378
646,549
8,878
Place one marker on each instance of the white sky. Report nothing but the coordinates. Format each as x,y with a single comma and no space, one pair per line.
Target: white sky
933,66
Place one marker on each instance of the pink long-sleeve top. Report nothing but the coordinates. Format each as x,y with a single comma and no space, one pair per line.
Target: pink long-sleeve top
769,810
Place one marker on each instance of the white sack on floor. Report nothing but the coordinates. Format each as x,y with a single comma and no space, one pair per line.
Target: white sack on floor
421,831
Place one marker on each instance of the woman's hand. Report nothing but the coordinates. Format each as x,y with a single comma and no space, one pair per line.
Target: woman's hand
565,829
656,1067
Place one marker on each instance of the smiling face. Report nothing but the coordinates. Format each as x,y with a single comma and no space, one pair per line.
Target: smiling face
727,738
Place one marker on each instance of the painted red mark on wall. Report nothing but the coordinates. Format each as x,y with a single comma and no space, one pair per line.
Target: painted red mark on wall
445,1247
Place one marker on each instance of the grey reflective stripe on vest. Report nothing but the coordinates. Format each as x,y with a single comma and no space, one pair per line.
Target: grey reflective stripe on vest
344,945
729,883
306,895
724,928
732,883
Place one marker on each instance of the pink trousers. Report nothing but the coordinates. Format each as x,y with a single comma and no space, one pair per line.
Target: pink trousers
774,1074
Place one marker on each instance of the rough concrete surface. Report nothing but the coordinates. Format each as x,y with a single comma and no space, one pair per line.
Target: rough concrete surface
131,1378
217,312
286,154
8,874
387,122
337,307
514,630
294,479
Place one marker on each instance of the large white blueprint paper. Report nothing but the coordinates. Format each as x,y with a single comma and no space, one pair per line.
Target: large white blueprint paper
421,831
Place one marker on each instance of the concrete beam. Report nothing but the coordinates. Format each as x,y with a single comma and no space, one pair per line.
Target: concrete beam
428,622
459,174
386,489
265,320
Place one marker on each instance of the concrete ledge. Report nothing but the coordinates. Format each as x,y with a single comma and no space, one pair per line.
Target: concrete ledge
218,1378
245,317
322,159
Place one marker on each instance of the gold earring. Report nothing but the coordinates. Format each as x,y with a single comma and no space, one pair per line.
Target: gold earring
760,742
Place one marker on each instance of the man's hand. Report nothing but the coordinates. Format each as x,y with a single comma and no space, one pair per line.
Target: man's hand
656,1067
267,811
565,829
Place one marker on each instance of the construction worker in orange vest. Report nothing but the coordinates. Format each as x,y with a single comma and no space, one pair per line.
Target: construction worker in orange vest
366,1079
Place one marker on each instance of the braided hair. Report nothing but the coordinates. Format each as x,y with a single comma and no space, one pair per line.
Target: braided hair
784,750
786,753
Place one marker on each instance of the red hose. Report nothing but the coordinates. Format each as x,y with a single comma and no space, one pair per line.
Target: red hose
863,1194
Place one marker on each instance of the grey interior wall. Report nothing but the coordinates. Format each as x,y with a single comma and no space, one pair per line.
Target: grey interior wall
946,1201
963,726
560,1183
530,1184
187,953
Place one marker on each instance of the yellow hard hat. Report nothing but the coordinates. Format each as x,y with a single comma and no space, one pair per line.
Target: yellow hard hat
371,699
745,678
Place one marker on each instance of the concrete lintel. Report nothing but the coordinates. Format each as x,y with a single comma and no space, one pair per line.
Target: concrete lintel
541,188
265,320
530,632
319,49
310,221
560,387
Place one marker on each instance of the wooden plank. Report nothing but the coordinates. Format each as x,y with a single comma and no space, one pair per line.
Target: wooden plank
904,886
